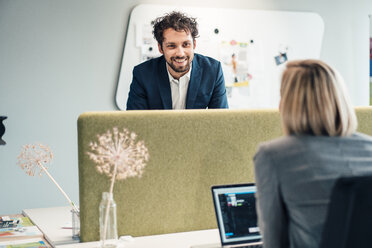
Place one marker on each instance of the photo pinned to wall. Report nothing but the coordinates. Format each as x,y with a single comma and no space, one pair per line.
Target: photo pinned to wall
282,57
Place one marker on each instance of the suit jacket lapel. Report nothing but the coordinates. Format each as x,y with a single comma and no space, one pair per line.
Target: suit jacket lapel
194,84
164,87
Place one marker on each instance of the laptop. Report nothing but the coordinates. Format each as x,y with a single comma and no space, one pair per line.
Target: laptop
235,207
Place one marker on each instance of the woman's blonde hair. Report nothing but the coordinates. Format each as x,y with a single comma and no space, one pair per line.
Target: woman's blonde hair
314,100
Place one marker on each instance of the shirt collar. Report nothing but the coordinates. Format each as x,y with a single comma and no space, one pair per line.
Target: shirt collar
172,79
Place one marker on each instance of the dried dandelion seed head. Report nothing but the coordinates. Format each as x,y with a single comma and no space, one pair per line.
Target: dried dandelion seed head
32,156
119,148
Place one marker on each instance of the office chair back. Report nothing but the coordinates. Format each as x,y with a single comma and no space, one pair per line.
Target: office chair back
349,220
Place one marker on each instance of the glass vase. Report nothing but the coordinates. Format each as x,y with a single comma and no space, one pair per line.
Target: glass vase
75,224
107,221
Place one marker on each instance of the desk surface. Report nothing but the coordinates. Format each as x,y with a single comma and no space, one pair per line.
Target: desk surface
179,240
50,221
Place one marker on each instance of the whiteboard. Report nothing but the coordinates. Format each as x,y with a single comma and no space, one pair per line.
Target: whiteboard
261,40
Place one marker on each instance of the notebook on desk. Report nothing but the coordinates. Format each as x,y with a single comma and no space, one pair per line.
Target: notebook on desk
235,207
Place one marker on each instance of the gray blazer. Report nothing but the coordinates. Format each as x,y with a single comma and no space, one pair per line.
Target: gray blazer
294,177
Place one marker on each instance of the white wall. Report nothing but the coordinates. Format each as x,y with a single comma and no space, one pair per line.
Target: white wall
61,58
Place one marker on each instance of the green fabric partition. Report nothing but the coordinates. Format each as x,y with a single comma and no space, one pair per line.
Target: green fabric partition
190,151
364,115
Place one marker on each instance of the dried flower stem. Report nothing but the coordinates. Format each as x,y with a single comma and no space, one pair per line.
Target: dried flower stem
59,187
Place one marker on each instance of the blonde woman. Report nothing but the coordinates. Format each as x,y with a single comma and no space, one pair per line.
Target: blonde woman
295,173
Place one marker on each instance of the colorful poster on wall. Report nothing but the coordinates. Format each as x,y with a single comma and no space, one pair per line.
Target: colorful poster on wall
240,60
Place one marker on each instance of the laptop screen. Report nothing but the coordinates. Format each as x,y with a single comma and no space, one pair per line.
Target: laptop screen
235,207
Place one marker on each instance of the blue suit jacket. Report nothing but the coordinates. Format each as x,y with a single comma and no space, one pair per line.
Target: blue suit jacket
150,88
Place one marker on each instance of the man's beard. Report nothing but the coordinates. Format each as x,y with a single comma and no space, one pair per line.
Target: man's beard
180,69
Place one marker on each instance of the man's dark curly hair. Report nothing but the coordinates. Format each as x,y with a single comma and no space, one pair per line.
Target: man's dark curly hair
176,20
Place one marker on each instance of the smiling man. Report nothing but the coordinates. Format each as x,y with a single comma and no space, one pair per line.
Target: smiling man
180,78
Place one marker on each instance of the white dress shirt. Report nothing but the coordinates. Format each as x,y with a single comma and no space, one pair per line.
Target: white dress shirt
179,89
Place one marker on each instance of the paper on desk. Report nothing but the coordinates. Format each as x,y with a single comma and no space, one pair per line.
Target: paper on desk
17,242
20,233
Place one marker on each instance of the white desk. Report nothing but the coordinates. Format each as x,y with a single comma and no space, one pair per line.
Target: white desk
173,240
50,221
